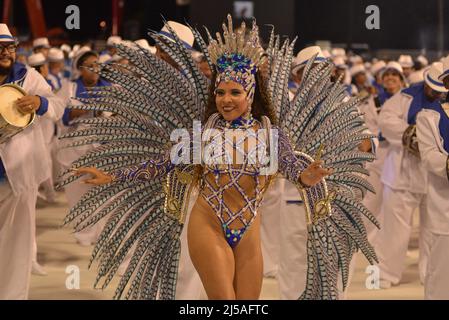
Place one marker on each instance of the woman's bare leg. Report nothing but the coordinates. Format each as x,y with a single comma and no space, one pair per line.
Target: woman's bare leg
211,255
249,264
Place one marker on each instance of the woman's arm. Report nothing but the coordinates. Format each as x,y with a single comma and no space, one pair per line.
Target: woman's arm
145,171
299,170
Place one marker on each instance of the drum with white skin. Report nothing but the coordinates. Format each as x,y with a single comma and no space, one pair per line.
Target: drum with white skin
12,121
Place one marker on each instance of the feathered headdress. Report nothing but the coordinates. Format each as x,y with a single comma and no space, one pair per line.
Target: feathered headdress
237,56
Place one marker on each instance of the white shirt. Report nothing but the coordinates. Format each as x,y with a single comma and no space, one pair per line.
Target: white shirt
401,170
24,156
433,158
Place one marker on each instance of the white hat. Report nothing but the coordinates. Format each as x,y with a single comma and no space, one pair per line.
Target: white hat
144,44
423,60
305,55
356,59
104,58
416,76
431,75
183,32
377,66
75,48
65,47
41,42
405,61
80,53
112,40
445,72
394,65
326,53
36,59
358,68
338,52
55,55
340,63
5,35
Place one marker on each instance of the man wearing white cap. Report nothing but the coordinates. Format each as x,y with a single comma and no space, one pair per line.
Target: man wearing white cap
338,52
189,285
41,45
23,166
292,232
360,85
432,130
403,176
56,68
183,33
393,81
406,63
376,71
341,69
110,45
143,43
284,256
83,61
302,58
46,190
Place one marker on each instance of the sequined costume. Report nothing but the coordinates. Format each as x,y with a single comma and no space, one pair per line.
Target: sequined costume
221,181
147,213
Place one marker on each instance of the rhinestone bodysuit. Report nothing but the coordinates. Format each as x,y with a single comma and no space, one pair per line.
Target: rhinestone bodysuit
233,191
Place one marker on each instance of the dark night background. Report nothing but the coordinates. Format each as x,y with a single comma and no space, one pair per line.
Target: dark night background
403,24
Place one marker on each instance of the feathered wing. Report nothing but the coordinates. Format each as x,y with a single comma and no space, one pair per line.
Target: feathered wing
149,99
320,116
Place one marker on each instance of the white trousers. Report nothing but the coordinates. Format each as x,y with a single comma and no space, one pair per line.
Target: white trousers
17,232
293,251
393,239
436,284
373,202
292,273
270,230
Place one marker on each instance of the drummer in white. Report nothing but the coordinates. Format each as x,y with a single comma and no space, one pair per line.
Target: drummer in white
432,126
23,167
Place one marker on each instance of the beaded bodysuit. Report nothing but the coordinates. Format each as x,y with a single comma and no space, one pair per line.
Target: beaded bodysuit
233,191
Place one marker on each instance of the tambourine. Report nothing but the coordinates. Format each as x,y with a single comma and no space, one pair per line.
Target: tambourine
12,121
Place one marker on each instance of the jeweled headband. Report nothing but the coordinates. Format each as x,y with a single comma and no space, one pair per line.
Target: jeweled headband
236,57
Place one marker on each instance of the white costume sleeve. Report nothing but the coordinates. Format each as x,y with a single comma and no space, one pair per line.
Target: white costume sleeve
433,156
392,121
35,84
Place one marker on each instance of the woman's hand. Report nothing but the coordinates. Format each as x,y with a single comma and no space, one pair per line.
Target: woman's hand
99,177
314,173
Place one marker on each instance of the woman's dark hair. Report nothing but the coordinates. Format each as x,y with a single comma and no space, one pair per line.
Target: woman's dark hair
84,57
261,105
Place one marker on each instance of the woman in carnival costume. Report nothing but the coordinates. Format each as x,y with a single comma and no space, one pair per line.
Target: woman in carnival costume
151,178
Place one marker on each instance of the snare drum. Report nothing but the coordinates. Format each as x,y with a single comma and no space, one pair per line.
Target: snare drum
12,121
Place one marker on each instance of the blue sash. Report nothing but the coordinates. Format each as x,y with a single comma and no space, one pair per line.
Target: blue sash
419,102
384,96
